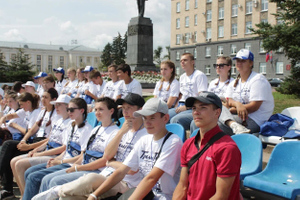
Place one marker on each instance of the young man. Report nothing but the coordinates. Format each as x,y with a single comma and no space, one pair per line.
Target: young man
111,88
40,77
160,171
216,174
96,92
128,84
119,147
192,83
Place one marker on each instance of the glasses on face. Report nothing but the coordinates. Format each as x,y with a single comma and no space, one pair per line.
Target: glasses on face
220,65
72,109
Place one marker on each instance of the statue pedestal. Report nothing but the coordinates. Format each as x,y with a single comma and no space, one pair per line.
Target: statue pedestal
140,44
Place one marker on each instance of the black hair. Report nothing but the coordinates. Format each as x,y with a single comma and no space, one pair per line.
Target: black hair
33,98
17,86
53,93
82,105
124,68
111,104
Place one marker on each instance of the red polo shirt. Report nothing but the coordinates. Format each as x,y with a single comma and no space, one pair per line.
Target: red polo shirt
222,159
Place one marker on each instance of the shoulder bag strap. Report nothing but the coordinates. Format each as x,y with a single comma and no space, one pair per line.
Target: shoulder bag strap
167,136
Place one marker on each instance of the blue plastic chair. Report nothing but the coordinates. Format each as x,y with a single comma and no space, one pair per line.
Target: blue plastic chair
251,150
121,120
177,129
282,173
92,120
194,133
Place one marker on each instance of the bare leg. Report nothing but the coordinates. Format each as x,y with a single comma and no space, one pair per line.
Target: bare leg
13,167
21,166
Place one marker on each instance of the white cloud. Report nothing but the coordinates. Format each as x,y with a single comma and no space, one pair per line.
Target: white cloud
13,35
68,28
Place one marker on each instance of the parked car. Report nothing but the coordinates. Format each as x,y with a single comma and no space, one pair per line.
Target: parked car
275,82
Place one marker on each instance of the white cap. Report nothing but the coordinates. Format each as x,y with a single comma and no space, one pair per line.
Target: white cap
29,83
151,107
63,98
88,69
1,92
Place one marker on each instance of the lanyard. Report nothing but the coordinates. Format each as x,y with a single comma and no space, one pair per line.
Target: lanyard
92,138
123,157
241,89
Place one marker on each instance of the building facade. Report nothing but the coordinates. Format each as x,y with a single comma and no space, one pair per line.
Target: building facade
47,57
209,28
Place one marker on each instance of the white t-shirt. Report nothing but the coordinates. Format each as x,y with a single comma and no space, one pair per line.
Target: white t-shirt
40,90
68,86
134,87
31,117
102,139
45,130
92,88
20,121
76,89
191,86
82,87
142,158
220,88
256,88
164,93
100,89
111,89
59,131
59,85
80,136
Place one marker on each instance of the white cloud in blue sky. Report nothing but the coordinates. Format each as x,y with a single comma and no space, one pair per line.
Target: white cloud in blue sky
93,23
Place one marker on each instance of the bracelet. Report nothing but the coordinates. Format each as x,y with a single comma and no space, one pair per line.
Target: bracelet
61,161
76,168
23,140
93,196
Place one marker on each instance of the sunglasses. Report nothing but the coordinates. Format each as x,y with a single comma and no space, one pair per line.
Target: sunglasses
72,109
220,65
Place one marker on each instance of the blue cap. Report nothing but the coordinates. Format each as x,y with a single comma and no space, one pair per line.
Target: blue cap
244,54
88,69
60,70
40,75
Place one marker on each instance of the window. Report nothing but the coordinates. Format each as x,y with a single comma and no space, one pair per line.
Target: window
195,53
233,29
264,5
261,49
233,69
177,55
208,15
234,10
39,62
263,68
264,20
195,36
195,20
221,31
207,69
196,3
208,1
178,36
248,26
220,50
96,60
178,23
221,13
13,57
187,21
62,61
50,58
248,46
208,33
207,51
178,7
233,49
186,38
248,7
279,68
187,4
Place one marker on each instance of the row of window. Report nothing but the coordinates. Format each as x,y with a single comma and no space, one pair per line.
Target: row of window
249,6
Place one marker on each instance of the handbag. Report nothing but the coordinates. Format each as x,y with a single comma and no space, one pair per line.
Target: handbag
90,156
74,149
51,145
88,99
277,125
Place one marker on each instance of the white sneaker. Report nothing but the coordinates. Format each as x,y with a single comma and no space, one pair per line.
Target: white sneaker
238,128
50,194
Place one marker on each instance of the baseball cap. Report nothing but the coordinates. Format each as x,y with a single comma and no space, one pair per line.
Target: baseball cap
88,69
1,92
244,54
132,99
40,75
63,98
29,83
205,97
151,107
60,70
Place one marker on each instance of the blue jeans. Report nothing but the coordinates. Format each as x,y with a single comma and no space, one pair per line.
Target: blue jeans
34,176
184,118
61,177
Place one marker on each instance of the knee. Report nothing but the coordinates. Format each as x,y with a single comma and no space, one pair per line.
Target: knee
33,178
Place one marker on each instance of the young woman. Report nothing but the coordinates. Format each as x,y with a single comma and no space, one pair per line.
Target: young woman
250,99
167,89
52,147
71,73
78,133
78,91
59,74
49,82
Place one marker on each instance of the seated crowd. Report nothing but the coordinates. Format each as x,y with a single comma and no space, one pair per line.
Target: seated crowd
54,153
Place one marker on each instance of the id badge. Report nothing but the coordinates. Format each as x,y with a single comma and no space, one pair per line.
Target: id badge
107,171
41,132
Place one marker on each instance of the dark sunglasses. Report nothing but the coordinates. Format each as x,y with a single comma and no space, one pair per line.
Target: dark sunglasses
72,109
220,65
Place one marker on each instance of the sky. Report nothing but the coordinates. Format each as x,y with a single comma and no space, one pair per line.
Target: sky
93,23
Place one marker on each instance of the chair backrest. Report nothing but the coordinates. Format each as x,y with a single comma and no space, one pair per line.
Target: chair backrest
293,112
121,120
91,119
251,150
194,132
177,129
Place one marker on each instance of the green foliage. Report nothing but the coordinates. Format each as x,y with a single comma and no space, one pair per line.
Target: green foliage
106,58
157,55
119,50
283,101
168,55
285,34
3,68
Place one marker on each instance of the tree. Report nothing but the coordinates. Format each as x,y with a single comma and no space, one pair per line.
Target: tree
118,51
157,55
3,68
285,34
106,58
168,55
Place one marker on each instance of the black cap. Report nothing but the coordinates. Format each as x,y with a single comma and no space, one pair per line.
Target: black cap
205,97
132,99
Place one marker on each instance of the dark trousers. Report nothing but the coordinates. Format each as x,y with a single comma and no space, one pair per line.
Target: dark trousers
9,151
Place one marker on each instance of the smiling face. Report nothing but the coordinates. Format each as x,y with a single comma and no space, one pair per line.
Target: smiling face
205,115
102,112
80,75
71,74
121,74
58,75
128,111
155,123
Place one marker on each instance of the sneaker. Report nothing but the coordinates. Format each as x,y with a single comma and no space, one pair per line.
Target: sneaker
238,128
50,194
4,194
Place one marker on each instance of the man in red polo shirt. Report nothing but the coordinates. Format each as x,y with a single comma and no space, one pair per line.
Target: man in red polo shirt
216,174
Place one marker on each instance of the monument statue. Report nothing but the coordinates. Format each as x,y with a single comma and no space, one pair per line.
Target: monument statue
141,7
